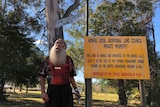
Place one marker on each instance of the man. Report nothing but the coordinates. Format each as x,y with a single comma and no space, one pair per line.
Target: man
59,66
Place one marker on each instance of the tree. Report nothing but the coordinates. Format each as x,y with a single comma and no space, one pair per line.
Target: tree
54,13
16,45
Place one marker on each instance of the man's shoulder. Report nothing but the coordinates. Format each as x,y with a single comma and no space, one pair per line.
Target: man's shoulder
68,57
46,59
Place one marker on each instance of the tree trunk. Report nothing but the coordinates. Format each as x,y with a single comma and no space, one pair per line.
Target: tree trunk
27,86
52,15
2,96
20,87
121,93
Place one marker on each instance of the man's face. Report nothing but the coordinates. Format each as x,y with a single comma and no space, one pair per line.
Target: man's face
59,44
57,53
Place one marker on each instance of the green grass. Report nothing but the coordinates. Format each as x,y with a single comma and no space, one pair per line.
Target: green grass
22,99
33,99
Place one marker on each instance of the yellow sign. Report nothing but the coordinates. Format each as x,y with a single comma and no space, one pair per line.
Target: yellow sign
116,57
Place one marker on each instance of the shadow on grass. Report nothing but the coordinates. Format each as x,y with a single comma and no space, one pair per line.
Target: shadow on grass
33,99
24,103
22,100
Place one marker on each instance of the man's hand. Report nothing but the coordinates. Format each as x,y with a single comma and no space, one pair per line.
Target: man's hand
45,97
78,96
77,93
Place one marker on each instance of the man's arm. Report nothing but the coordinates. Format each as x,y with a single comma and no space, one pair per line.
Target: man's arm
75,87
42,84
73,83
72,74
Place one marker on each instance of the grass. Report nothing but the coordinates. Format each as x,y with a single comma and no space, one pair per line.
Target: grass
107,97
22,99
33,99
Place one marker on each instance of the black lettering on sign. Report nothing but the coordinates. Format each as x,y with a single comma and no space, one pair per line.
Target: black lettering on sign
88,55
114,40
141,56
120,66
140,61
104,65
136,41
110,66
130,66
138,66
133,56
92,40
89,60
130,61
108,46
102,55
93,55
120,46
102,40
127,40
94,65
120,60
117,55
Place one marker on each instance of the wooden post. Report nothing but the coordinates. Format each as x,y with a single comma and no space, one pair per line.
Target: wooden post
142,92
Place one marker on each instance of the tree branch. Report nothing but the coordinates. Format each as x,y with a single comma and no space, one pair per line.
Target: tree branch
71,8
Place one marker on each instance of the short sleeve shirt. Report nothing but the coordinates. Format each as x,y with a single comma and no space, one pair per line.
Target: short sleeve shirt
46,71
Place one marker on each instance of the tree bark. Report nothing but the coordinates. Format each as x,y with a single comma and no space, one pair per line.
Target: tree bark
2,97
52,16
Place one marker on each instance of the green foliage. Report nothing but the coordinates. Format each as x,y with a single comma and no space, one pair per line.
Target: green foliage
75,50
20,58
153,93
119,18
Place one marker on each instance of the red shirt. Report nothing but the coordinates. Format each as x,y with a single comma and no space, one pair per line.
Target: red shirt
59,75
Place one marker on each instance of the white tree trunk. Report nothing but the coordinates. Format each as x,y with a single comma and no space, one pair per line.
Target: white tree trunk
52,16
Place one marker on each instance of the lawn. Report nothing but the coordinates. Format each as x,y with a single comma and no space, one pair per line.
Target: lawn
22,99
33,99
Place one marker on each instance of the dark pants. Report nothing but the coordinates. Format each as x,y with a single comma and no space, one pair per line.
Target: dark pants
60,96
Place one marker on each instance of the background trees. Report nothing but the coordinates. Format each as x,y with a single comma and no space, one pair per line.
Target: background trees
19,57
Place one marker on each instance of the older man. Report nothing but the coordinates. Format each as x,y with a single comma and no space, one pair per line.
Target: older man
59,66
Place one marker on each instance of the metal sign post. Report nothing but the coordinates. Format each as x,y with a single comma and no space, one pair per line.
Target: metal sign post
88,81
142,92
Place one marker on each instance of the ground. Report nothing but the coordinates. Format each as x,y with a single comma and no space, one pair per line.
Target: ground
33,99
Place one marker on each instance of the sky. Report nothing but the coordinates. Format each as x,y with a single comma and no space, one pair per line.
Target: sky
157,29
